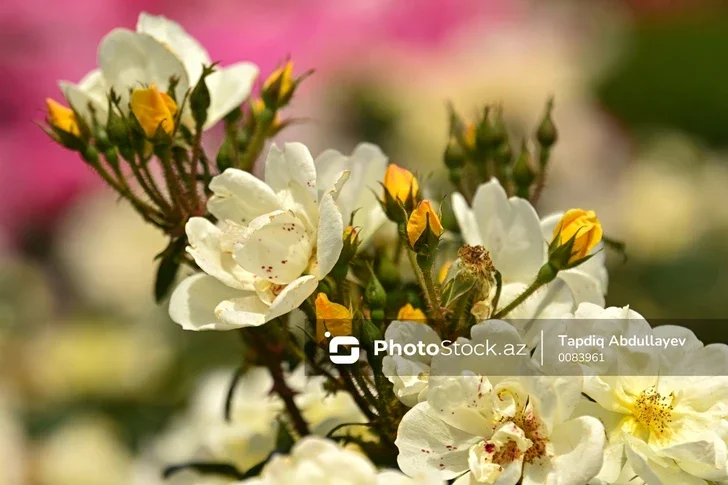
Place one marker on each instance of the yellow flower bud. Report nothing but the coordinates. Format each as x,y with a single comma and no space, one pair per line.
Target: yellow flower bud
418,222
62,117
399,182
153,108
410,313
280,83
331,317
582,224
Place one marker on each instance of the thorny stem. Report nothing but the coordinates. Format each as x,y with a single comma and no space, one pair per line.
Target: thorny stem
271,360
424,278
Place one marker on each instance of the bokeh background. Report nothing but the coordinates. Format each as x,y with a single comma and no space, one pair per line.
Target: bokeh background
91,369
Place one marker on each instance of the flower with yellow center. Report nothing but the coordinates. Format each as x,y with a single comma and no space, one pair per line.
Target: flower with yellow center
410,313
417,222
663,407
331,317
62,117
584,227
153,109
400,183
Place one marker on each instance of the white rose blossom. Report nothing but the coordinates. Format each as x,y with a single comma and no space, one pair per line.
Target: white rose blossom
665,410
276,240
517,241
321,461
480,428
159,49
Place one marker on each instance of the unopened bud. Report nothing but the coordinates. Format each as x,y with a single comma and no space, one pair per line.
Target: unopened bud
547,134
332,318
423,218
454,155
154,109
374,294
62,118
278,88
387,272
523,173
200,98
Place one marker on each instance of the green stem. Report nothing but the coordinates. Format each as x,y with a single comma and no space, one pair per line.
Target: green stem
546,274
257,141
424,278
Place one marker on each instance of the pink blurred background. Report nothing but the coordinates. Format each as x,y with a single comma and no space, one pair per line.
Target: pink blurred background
43,42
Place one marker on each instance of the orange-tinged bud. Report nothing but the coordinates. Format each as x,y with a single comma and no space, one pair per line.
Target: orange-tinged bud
331,317
442,274
153,108
410,313
62,117
418,222
280,84
584,227
400,182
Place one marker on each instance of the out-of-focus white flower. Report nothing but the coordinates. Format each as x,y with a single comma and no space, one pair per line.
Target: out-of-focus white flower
94,359
482,428
321,461
84,451
367,165
202,433
96,255
322,409
510,230
159,50
409,375
278,239
665,410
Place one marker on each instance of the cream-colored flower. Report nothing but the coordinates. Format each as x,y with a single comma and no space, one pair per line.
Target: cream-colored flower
321,461
516,240
159,50
665,410
278,239
481,428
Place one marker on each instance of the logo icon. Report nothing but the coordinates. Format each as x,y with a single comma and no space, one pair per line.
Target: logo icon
337,342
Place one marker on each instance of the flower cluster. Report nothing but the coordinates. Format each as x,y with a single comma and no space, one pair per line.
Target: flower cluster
327,259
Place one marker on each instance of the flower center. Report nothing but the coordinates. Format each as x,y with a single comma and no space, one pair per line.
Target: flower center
653,411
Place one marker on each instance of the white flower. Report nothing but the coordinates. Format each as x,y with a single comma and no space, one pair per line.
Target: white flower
277,240
482,428
321,461
367,165
158,50
665,410
510,230
409,375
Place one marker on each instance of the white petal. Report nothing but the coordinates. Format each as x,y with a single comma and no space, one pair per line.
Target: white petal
510,230
654,469
330,236
583,287
229,87
240,197
292,296
91,90
292,165
428,444
578,454
245,311
204,239
403,333
466,220
276,247
129,60
193,302
176,39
